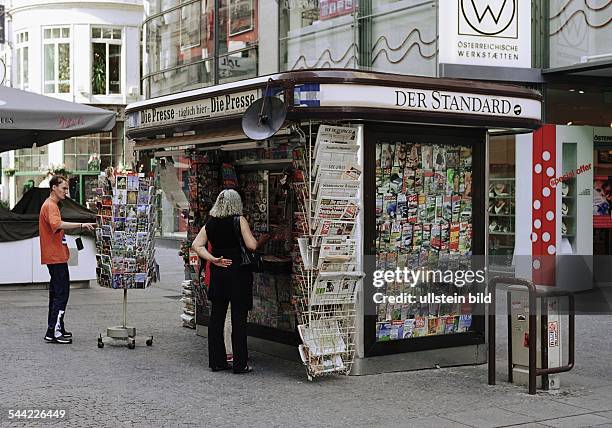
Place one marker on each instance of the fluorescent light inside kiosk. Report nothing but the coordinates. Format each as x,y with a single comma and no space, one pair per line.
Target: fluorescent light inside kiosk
243,146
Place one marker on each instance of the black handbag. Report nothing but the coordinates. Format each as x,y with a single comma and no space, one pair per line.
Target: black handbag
249,258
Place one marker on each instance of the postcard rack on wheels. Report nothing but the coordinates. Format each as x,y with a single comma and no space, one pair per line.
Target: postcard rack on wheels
125,243
326,270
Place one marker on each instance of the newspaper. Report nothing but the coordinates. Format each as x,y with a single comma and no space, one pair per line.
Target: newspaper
336,208
341,135
322,337
342,188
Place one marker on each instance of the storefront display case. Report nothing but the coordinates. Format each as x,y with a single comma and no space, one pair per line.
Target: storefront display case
420,147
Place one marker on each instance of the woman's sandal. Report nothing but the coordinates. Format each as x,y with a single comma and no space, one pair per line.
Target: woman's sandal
220,368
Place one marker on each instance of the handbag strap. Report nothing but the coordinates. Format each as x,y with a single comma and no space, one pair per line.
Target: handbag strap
238,231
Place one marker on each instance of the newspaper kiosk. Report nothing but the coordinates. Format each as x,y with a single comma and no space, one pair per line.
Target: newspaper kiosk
370,172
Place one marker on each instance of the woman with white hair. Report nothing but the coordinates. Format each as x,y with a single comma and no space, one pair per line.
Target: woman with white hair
229,280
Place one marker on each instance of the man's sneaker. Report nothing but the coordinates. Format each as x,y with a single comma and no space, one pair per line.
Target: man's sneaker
49,336
65,333
60,339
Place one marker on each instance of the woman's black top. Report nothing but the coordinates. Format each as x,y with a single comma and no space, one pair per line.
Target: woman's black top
234,283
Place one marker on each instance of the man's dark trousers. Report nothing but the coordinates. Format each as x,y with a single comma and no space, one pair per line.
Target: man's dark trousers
59,291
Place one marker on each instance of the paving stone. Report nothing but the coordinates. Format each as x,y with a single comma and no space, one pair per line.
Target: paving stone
169,384
589,420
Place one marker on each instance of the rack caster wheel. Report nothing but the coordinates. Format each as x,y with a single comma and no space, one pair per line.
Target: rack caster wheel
150,341
131,343
100,342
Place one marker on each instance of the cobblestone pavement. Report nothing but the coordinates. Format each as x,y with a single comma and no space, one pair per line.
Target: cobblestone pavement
169,383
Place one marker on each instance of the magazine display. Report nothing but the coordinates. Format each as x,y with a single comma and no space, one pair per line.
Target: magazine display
204,178
327,184
424,220
188,315
125,233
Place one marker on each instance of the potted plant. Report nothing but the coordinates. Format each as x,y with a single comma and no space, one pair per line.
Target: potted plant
58,170
93,164
98,77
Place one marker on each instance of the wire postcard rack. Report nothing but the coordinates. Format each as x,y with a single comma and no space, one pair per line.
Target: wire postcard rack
326,268
125,243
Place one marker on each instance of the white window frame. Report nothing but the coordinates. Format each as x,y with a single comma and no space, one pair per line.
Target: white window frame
22,79
107,42
56,41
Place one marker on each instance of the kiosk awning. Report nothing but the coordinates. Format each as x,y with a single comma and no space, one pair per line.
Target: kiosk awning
28,119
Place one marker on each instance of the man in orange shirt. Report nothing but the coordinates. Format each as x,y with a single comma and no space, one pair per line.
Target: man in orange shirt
54,253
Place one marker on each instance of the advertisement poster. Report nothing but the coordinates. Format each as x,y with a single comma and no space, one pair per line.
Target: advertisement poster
240,16
602,202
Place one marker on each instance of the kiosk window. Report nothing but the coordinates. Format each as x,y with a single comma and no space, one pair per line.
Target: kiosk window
424,227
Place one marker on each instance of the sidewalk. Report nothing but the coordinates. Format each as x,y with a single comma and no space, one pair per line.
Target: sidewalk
169,384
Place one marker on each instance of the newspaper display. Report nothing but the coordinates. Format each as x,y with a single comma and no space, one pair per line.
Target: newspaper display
327,267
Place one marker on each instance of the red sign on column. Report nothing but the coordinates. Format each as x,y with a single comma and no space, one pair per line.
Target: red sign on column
543,228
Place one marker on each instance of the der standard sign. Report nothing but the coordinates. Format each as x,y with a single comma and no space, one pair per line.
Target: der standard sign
388,97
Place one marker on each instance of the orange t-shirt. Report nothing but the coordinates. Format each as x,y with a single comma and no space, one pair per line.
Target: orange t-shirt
53,249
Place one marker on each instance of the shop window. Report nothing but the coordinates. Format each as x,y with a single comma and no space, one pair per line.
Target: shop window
389,35
36,159
180,45
93,152
237,40
423,221
190,26
502,194
579,33
173,176
22,68
579,103
106,61
56,60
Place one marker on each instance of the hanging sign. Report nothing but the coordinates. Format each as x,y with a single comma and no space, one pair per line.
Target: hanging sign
485,32
207,108
388,97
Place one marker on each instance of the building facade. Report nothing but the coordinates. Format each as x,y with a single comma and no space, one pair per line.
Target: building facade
86,52
557,47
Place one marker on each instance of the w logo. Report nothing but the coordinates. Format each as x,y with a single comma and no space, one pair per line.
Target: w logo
489,18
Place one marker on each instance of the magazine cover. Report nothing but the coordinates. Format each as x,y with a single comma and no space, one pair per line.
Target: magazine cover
407,236
409,179
402,207
427,157
413,208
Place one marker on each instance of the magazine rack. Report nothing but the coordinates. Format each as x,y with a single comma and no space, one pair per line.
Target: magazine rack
125,243
326,269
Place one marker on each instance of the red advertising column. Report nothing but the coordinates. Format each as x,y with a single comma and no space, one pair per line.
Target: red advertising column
543,228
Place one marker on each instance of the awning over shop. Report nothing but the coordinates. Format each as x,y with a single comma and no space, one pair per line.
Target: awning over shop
337,95
28,119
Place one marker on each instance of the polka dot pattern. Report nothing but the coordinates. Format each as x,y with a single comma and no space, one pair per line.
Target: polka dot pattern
543,248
